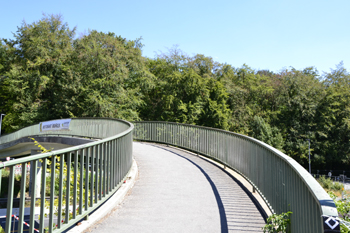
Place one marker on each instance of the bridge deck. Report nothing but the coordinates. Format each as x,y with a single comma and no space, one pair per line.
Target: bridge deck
177,191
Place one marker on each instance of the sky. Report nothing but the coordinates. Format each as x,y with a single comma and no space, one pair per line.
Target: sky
273,35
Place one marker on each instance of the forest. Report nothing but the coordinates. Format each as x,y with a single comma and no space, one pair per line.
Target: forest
48,72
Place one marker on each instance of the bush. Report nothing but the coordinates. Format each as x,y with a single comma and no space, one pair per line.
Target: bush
278,223
337,186
328,184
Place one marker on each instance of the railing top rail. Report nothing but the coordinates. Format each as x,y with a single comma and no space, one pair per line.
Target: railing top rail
127,124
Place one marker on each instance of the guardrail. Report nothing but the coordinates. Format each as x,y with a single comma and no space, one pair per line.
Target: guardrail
86,175
283,183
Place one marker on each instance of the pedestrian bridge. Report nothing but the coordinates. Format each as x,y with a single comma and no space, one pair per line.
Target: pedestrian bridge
88,174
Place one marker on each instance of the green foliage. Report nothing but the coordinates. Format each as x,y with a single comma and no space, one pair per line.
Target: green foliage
337,186
328,184
186,91
333,117
46,73
112,75
34,84
325,182
277,223
343,208
264,132
301,92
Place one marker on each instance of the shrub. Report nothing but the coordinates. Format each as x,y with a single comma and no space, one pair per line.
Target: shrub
337,186
328,184
278,223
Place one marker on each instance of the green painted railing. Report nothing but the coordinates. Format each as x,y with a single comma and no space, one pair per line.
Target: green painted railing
283,183
87,175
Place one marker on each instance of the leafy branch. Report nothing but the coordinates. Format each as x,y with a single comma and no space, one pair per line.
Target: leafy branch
278,223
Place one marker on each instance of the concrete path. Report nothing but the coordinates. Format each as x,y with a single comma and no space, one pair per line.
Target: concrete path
177,191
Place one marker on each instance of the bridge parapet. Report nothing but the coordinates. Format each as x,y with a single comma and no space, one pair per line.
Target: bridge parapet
282,182
79,127
86,175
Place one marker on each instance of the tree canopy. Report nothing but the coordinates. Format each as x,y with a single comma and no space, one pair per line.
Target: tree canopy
47,72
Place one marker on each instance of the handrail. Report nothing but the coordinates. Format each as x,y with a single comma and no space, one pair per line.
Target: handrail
283,183
87,174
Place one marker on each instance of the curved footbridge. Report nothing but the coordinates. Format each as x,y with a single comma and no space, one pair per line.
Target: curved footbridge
195,179
178,191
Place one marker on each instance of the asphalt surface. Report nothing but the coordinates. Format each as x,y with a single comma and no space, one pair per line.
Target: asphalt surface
180,192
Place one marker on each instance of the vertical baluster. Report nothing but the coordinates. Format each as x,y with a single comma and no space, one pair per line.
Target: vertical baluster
101,172
60,194
75,187
122,145
10,200
112,165
43,192
109,162
87,158
119,160
81,192
96,172
33,197
104,156
52,193
115,168
69,161
93,151
22,198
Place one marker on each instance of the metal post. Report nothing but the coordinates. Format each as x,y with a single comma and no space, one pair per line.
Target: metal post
1,121
342,191
309,158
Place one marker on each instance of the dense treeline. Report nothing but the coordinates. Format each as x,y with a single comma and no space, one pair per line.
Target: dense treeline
47,73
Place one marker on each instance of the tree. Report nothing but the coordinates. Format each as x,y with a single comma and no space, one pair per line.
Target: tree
216,112
47,74
178,94
38,77
300,95
333,119
248,95
112,76
185,93
262,131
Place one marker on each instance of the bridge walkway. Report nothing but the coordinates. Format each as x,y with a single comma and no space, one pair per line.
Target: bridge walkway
177,191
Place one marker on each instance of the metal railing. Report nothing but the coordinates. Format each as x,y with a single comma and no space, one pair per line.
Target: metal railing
283,183
81,178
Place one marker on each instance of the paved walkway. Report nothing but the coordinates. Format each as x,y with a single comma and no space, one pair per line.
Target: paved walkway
179,192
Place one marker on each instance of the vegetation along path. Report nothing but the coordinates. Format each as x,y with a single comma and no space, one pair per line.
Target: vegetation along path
177,191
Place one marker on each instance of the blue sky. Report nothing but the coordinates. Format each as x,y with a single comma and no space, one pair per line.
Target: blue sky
270,35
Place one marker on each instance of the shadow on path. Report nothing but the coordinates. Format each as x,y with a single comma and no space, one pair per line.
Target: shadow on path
223,219
225,227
